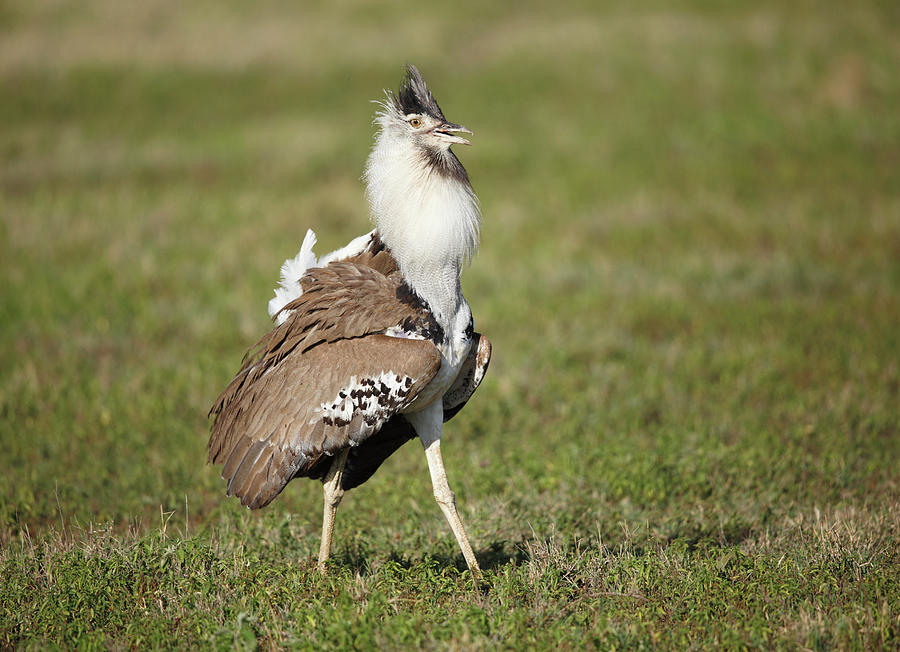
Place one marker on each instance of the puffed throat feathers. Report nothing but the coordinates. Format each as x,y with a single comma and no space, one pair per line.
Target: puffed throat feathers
424,209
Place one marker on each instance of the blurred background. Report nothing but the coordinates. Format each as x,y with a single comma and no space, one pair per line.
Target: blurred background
690,263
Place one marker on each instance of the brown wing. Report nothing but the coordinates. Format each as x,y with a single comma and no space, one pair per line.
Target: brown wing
323,380
313,404
341,301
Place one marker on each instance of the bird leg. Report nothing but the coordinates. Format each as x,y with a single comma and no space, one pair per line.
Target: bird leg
447,502
333,494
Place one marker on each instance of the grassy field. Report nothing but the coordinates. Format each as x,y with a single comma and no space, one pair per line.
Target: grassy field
690,270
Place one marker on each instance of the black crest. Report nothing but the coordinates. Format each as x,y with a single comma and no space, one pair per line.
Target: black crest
414,96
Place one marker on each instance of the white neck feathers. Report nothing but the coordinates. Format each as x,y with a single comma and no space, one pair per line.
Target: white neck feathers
428,220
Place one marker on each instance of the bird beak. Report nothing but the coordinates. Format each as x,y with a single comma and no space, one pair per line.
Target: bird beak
446,132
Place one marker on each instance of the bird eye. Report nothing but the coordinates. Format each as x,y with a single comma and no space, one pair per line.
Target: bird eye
415,122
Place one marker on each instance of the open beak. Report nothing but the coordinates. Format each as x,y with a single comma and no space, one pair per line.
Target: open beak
447,130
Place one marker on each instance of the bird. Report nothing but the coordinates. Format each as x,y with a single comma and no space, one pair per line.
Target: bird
373,344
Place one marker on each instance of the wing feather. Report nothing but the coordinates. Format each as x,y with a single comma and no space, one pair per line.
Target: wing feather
324,379
328,398
469,378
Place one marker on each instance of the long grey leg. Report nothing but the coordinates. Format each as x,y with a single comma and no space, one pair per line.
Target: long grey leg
429,425
333,495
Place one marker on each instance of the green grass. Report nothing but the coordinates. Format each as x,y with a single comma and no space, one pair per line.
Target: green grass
690,272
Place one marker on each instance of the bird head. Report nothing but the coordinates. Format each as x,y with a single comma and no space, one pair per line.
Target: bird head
421,198
413,116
